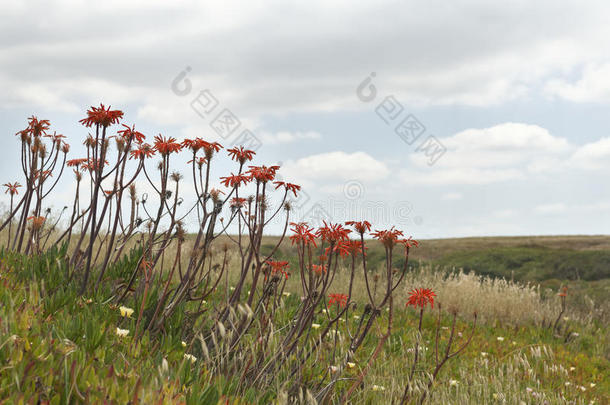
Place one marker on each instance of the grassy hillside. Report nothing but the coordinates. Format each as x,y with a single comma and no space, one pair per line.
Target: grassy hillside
57,347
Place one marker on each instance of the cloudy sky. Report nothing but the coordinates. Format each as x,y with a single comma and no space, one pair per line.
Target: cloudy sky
446,119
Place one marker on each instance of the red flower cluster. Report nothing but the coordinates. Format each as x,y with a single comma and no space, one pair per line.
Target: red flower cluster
37,222
129,134
303,233
409,242
43,175
278,267
12,188
333,232
361,227
35,127
288,186
420,297
339,299
388,237
101,116
235,180
347,247
263,174
318,269
198,143
237,202
240,154
91,164
165,146
144,151
76,162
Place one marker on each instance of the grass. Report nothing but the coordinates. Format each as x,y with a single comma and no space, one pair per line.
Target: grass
57,347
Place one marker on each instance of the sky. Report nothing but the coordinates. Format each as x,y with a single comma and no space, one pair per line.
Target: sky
445,119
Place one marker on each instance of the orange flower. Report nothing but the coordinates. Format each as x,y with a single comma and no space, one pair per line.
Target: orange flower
564,292
303,233
92,164
11,188
235,180
339,299
76,162
200,161
131,134
165,146
198,143
263,174
35,127
44,174
333,232
318,269
388,237
37,222
409,242
237,202
144,151
57,138
360,227
420,297
288,186
240,154
348,247
278,267
101,116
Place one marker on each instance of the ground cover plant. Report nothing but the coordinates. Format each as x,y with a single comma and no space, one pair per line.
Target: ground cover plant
112,300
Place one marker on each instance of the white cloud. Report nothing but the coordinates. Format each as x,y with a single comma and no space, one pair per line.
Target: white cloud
552,208
488,155
593,85
335,166
505,213
265,58
594,155
288,137
452,196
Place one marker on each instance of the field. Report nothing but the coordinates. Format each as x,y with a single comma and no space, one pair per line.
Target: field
112,301
59,347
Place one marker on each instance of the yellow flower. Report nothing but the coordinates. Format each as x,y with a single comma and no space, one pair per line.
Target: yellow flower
190,357
286,294
350,364
592,385
125,312
453,383
122,332
378,388
183,343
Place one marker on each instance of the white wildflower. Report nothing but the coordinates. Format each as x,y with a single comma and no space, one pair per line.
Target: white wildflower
122,332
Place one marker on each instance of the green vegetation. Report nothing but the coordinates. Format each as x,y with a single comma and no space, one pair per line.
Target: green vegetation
58,347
